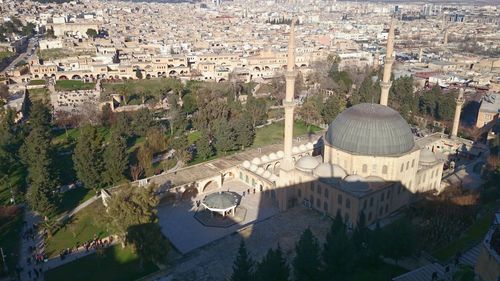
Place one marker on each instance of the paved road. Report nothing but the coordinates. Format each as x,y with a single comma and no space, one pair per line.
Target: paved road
23,56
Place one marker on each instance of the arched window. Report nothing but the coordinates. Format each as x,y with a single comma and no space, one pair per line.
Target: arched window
365,168
326,192
339,199
318,190
318,203
312,186
325,207
299,192
384,169
348,203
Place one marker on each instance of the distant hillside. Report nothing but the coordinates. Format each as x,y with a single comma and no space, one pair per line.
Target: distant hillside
52,1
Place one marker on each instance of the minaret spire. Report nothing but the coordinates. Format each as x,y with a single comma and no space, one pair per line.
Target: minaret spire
385,85
288,102
458,110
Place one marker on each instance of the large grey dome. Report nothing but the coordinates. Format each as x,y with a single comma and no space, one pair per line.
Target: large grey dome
370,129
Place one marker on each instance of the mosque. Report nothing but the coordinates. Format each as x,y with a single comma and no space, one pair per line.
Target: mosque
369,162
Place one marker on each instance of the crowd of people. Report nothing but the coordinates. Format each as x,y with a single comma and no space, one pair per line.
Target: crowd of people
36,255
93,244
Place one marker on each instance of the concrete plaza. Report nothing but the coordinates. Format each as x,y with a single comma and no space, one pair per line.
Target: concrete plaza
186,233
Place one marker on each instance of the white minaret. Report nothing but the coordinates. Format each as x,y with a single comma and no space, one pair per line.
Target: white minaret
285,179
288,102
385,85
458,110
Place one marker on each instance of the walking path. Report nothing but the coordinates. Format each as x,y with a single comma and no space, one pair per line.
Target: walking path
31,239
76,254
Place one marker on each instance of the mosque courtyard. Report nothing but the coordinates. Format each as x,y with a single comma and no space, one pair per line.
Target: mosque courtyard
187,233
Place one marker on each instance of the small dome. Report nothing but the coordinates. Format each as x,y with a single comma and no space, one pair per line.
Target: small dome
302,147
307,163
326,170
264,159
256,161
260,171
253,168
273,156
370,129
355,183
374,179
267,174
295,150
246,164
353,178
280,154
427,156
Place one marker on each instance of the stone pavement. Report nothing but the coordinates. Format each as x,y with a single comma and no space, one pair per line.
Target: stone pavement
29,266
214,261
186,233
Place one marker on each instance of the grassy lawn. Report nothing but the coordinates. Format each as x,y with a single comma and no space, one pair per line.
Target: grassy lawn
57,53
5,54
380,272
36,82
15,181
274,133
194,137
71,85
39,94
80,228
114,264
133,86
72,198
11,223
469,238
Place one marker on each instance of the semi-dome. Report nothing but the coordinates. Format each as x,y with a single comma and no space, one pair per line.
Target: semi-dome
307,163
427,156
327,170
370,129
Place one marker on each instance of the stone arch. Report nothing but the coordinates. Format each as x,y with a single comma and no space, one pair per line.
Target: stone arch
211,185
267,68
148,76
222,80
76,77
45,75
303,65
182,65
36,76
256,68
276,166
63,77
189,193
268,166
172,73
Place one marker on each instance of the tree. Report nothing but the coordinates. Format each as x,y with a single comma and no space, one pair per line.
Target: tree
257,109
243,265
225,139
145,158
310,111
395,247
143,121
87,157
91,33
204,148
332,107
306,264
132,215
245,132
338,250
189,105
36,155
273,267
64,119
4,92
138,74
115,159
121,125
107,116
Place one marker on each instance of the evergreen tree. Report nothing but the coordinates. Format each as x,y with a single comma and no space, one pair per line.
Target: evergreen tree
204,148
143,121
36,155
273,267
87,157
244,131
243,265
225,138
332,107
306,263
338,250
132,215
115,159
257,108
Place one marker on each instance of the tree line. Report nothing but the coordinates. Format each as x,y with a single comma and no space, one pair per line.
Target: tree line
339,258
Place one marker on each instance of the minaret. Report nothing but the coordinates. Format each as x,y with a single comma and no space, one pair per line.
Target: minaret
376,59
288,102
458,110
420,54
385,85
286,175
